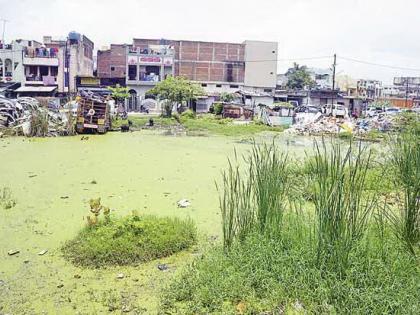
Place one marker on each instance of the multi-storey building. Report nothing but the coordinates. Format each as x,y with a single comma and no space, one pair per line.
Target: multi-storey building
371,89
112,65
48,68
321,77
11,61
217,67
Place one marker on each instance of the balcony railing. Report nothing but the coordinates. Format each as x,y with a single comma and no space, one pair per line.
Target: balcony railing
46,80
153,52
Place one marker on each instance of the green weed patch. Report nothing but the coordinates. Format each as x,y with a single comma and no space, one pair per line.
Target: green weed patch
129,240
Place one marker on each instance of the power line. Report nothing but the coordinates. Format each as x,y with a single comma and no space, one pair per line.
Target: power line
378,64
289,59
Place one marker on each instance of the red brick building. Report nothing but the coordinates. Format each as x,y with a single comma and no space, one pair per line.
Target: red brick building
218,67
112,65
203,61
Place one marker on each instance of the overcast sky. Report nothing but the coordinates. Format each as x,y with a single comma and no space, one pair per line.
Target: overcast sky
379,31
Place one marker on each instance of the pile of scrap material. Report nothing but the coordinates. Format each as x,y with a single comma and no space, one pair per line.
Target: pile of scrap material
24,116
379,123
318,124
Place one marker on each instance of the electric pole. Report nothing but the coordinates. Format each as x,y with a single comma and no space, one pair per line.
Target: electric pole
406,92
4,49
333,82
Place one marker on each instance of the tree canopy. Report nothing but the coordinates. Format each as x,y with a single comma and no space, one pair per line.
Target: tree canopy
119,93
299,77
177,90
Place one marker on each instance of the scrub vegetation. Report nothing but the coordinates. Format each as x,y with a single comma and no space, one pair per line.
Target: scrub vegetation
205,124
317,236
210,124
129,240
6,198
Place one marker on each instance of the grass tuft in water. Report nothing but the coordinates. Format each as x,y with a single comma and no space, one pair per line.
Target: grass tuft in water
129,240
6,198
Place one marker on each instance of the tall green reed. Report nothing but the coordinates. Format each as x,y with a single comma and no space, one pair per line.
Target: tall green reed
254,196
405,159
342,206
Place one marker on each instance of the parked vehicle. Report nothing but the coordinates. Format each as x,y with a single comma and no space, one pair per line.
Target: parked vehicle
392,111
93,114
373,111
335,110
308,109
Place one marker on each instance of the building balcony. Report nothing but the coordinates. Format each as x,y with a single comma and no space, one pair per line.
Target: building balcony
141,82
41,61
157,51
41,80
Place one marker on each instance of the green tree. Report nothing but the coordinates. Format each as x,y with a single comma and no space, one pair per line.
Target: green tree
299,77
227,97
119,93
176,90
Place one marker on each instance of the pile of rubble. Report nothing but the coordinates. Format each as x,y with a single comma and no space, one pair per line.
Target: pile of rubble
318,124
24,116
314,124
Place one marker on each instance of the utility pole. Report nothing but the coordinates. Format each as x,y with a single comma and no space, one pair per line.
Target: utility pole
406,92
4,50
333,83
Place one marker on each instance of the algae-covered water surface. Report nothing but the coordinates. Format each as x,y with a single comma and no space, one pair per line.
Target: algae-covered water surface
52,180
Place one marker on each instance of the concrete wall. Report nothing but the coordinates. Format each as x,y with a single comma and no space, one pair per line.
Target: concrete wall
261,64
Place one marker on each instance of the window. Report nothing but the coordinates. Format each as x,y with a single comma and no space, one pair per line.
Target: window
112,68
43,71
234,86
203,84
268,90
271,72
273,51
218,85
54,71
132,72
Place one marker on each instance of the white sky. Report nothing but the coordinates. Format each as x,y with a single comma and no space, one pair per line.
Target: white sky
379,31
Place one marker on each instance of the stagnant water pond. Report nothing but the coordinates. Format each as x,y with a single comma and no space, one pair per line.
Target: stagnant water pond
52,180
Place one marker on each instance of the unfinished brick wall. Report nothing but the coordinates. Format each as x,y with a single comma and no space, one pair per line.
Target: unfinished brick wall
209,61
204,61
112,63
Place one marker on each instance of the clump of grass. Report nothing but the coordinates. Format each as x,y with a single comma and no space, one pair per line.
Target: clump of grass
129,240
272,276
255,199
6,198
224,126
342,207
405,158
39,123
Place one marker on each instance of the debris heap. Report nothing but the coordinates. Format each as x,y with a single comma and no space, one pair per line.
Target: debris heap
24,116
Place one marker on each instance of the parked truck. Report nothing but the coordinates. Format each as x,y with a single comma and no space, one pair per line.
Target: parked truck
93,114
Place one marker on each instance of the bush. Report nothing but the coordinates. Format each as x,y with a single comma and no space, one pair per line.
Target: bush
189,114
217,108
129,240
